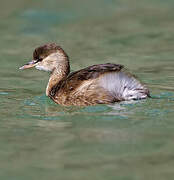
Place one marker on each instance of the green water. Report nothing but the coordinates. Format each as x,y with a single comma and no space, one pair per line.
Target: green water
127,141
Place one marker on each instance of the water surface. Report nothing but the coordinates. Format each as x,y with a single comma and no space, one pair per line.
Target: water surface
126,141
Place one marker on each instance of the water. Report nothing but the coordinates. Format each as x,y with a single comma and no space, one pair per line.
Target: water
126,141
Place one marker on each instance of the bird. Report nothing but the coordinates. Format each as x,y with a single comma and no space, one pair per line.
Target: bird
97,84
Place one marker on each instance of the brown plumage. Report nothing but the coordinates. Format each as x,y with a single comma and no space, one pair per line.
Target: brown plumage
97,84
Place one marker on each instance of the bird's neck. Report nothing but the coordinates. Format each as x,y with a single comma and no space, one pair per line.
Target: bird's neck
60,73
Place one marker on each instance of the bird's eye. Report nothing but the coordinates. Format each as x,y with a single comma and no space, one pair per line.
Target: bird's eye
40,59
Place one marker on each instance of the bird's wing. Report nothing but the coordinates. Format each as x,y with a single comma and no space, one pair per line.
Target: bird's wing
87,76
93,72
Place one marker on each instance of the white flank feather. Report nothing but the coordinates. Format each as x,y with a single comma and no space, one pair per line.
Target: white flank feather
123,86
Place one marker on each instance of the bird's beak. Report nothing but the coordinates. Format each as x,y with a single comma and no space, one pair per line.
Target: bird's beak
29,64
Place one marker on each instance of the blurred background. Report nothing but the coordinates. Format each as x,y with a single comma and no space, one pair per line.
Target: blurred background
126,141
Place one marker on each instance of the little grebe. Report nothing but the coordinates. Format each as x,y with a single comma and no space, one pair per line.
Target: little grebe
97,84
